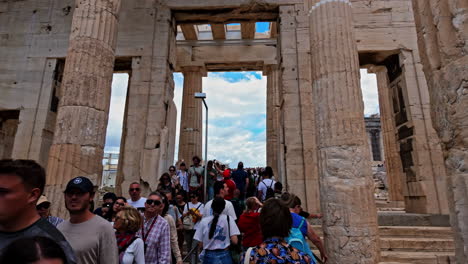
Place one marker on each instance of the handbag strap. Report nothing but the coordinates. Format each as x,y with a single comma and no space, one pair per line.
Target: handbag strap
229,227
247,255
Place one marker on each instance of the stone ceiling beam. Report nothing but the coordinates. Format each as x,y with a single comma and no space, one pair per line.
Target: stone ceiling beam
248,30
217,58
210,4
223,16
190,31
227,42
219,31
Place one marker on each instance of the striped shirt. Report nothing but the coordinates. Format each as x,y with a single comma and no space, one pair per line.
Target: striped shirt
157,240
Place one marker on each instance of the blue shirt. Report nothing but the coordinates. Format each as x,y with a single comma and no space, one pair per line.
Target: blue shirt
239,177
297,219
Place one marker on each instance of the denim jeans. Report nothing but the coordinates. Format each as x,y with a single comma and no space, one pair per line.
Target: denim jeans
217,257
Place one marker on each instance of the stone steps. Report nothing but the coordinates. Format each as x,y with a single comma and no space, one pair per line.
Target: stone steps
407,231
417,244
417,257
414,244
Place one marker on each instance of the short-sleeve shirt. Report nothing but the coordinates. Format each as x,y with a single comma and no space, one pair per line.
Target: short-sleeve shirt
194,178
191,206
228,210
221,238
239,177
262,186
297,219
277,251
137,204
93,241
40,228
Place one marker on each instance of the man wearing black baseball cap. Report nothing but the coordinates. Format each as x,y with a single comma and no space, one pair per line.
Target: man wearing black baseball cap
91,237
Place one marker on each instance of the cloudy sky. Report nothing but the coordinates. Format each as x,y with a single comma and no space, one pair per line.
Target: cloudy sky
237,113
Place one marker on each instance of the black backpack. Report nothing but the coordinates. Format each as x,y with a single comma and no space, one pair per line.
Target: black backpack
270,193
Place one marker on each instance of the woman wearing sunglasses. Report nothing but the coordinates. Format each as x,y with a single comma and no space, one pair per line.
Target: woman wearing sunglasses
131,247
119,204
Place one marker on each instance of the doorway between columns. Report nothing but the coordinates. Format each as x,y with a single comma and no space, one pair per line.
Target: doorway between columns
237,117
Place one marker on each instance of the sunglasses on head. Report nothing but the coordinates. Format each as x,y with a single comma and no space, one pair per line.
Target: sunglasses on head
43,206
155,202
134,189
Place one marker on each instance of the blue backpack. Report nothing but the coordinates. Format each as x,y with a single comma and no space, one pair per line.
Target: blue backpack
296,239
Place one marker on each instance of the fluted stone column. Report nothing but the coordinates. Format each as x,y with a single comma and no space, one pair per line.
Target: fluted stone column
191,124
346,185
82,117
394,169
272,125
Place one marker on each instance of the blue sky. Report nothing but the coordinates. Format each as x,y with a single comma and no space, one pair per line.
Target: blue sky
237,114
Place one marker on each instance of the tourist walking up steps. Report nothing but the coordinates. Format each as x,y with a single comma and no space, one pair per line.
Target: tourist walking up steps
216,233
275,223
176,256
91,236
136,200
22,183
155,231
220,190
43,209
182,175
249,223
267,185
191,219
131,247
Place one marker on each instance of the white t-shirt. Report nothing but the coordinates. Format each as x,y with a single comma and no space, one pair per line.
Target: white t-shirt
135,253
228,210
221,237
262,186
137,204
198,205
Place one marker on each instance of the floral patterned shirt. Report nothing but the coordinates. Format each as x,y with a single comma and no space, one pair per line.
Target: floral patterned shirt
277,251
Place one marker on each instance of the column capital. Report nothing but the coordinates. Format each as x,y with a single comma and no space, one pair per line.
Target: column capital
268,68
376,69
201,69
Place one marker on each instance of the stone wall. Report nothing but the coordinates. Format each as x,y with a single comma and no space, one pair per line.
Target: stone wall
442,28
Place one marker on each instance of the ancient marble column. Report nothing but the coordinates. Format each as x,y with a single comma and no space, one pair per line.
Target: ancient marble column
191,122
346,185
82,117
393,167
272,125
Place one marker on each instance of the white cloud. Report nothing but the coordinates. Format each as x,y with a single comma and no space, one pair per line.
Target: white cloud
237,114
237,117
116,112
369,93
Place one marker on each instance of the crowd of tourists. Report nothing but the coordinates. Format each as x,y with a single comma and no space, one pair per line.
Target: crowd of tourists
244,217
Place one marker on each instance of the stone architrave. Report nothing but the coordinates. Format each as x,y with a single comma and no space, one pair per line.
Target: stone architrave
393,167
346,185
442,28
80,131
191,124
